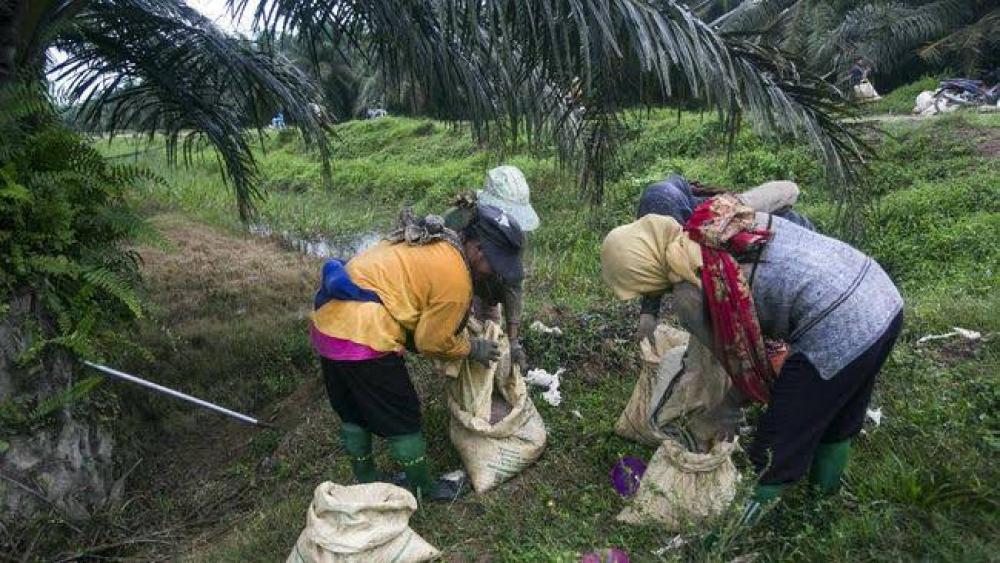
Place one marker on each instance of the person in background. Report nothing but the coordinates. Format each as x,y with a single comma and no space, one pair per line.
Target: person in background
858,72
507,189
749,277
675,197
411,292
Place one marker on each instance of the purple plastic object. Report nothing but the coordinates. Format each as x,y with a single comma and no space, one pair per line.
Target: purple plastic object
625,475
613,555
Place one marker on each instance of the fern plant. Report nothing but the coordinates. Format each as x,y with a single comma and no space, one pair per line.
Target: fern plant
65,227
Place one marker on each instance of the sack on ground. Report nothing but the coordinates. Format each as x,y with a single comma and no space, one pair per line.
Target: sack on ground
360,523
494,425
866,92
681,486
678,386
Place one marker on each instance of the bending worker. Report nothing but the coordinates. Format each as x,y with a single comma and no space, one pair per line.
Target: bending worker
412,291
506,189
674,197
754,276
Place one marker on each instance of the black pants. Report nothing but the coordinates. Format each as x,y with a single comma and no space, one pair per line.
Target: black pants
375,394
806,410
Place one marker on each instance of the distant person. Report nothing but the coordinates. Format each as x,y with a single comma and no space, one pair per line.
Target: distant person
857,78
858,72
505,188
411,292
750,278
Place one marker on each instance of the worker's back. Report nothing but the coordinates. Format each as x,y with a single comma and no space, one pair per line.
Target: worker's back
821,295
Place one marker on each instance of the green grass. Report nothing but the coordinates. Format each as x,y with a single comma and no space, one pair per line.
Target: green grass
921,486
901,100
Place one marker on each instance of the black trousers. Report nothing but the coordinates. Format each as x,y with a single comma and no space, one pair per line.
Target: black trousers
375,394
807,410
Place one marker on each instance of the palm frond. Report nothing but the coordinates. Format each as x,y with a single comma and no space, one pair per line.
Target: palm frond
885,33
968,42
158,66
479,55
753,17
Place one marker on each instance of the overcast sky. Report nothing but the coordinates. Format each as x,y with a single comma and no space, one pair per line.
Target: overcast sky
216,11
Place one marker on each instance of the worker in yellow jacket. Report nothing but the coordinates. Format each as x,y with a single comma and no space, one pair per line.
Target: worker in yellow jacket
412,291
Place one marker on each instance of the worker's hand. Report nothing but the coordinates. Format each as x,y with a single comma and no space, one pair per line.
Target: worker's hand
647,326
484,351
518,357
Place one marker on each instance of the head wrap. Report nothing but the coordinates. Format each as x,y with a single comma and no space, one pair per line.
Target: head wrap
671,197
648,256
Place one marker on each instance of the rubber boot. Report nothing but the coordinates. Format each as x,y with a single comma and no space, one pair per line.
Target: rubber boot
828,466
358,444
763,495
410,450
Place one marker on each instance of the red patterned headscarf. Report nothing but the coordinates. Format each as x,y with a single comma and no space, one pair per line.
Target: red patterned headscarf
724,226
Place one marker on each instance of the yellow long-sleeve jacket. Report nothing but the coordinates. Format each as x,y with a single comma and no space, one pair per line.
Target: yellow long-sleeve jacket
426,290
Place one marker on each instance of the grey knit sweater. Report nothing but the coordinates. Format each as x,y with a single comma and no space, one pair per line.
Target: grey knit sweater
824,298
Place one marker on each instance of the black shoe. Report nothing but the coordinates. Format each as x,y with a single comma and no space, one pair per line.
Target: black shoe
449,487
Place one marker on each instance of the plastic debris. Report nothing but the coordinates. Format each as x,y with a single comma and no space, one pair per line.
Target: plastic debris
542,378
875,415
675,542
970,335
626,474
577,414
539,326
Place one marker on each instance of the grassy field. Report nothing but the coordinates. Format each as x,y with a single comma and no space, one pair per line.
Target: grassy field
229,322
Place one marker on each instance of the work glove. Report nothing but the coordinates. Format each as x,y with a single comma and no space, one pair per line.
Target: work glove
484,351
518,357
647,326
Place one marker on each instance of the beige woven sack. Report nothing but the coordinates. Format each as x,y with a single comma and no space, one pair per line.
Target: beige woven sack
360,524
493,452
680,486
679,383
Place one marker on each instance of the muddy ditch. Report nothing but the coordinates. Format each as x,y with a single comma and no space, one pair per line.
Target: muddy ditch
318,246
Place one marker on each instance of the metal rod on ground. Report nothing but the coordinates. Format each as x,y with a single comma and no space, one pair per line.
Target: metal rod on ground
183,396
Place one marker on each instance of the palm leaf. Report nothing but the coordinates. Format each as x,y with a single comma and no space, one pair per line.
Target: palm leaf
477,56
159,66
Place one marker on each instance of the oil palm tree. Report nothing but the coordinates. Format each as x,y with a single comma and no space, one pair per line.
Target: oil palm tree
531,66
543,69
891,34
158,66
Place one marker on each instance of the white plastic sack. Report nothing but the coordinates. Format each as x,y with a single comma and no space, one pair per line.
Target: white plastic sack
679,385
925,100
494,443
680,486
866,92
360,524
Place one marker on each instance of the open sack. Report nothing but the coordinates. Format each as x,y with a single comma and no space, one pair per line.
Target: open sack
673,407
360,523
678,386
681,486
494,425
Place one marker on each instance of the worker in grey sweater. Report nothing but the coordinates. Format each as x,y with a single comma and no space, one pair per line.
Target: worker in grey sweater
836,309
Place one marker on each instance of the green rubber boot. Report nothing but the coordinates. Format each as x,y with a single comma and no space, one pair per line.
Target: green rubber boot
410,450
828,466
763,495
358,444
